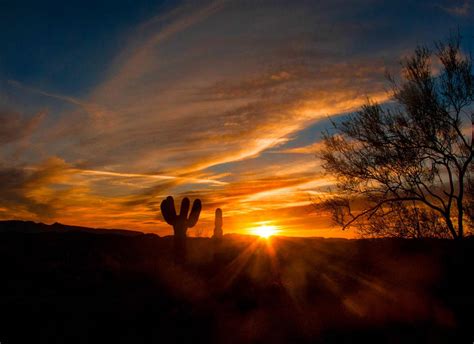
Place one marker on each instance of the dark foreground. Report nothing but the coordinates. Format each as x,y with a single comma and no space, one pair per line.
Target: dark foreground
77,287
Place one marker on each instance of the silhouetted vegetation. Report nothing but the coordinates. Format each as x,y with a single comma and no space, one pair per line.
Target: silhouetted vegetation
180,222
405,169
218,224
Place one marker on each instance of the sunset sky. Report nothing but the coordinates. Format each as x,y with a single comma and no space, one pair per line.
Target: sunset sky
105,109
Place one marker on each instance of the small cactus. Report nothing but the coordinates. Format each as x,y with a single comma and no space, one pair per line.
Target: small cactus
218,224
180,222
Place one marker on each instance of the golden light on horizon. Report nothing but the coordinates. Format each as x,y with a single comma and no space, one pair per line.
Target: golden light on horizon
265,231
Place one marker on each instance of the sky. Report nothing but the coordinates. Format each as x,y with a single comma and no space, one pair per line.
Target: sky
107,107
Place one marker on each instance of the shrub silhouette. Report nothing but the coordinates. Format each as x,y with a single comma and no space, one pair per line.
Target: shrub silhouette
218,224
180,222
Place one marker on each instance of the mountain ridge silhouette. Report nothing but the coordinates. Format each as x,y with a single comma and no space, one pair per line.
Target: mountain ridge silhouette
20,226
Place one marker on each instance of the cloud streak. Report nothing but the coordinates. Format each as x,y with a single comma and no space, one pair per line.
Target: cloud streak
213,100
16,127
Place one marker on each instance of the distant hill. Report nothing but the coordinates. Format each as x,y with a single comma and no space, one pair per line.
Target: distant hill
16,226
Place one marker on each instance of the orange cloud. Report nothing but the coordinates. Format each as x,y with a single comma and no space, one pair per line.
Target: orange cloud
191,106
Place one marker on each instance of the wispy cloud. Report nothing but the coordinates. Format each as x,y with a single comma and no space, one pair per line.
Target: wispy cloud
213,100
308,149
27,194
458,8
94,110
15,127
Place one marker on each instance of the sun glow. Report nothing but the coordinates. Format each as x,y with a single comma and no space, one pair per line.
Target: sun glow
265,231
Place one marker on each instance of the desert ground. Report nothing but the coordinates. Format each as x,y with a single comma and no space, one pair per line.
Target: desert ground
63,285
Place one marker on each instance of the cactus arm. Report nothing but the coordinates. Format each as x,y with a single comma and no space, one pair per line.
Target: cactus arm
194,215
183,212
168,210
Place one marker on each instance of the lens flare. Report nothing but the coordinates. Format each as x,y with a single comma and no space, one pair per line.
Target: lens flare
265,231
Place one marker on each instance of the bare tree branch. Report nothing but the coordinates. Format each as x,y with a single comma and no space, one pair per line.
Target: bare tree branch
408,165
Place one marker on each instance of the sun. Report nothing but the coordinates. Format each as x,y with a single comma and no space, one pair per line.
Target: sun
265,231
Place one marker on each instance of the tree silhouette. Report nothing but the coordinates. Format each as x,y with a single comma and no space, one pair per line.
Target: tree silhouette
405,169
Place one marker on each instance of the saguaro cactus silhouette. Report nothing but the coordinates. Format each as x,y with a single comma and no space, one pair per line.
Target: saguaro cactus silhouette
180,222
218,224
